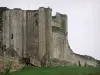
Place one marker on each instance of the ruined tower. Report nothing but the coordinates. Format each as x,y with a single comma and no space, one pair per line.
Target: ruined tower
38,35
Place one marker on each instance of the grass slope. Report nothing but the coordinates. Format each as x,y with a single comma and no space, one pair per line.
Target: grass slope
58,71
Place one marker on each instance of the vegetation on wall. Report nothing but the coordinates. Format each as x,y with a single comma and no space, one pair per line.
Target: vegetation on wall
1,16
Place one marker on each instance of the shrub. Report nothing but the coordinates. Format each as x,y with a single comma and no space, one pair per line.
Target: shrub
7,69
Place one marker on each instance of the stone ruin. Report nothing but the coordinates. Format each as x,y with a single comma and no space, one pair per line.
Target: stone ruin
39,37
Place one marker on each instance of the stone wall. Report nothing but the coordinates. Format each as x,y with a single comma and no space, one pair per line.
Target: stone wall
85,60
45,33
35,34
32,34
2,9
60,45
12,29
42,32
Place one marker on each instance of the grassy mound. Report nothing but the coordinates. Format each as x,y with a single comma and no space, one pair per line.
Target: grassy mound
58,71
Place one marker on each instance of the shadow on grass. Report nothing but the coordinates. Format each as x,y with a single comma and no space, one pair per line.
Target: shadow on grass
97,73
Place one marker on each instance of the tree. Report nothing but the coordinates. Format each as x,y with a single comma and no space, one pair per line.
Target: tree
85,64
79,63
98,63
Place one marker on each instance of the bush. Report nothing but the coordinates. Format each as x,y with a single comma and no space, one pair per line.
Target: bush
7,69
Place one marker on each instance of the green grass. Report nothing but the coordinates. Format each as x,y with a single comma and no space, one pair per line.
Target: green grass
57,71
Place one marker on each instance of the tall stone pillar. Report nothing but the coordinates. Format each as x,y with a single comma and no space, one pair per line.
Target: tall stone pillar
6,28
24,34
49,32
65,30
58,18
42,32
16,30
2,20
65,26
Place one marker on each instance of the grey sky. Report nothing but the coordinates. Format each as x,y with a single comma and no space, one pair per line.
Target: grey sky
83,21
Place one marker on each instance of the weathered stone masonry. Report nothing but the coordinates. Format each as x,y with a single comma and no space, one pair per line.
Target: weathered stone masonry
38,35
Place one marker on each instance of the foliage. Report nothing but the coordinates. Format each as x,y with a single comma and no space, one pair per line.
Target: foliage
85,65
98,63
2,50
79,63
7,69
10,52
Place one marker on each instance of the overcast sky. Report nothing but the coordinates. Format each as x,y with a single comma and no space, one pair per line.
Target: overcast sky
83,21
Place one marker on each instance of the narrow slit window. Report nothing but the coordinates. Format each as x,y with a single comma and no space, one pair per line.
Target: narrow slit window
11,36
0,44
36,22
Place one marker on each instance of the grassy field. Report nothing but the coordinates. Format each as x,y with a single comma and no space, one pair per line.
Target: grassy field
58,71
